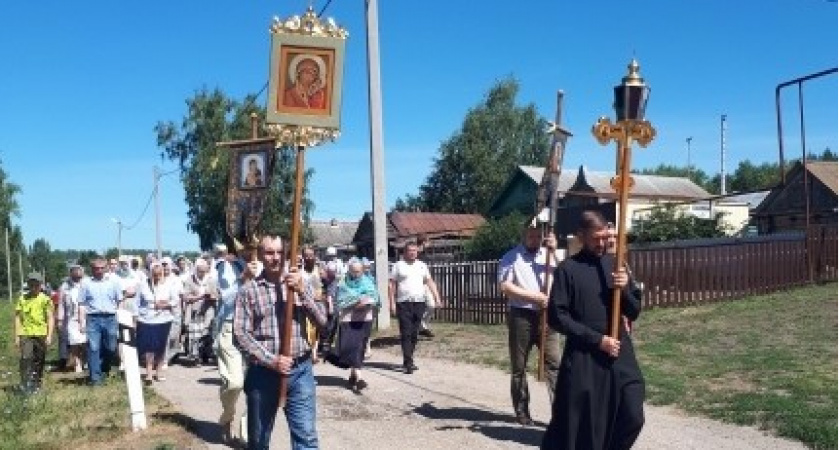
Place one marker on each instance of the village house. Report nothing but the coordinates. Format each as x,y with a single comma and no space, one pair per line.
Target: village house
444,234
333,238
788,205
584,189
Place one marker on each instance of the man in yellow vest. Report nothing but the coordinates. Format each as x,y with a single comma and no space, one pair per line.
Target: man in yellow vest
33,333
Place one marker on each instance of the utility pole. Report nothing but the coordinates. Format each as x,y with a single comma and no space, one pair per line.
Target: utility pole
377,161
9,265
723,154
157,212
688,145
119,235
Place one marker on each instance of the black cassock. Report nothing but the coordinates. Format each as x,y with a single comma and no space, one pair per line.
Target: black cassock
598,400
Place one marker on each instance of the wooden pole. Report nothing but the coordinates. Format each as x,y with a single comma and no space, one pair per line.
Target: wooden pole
555,165
621,245
286,344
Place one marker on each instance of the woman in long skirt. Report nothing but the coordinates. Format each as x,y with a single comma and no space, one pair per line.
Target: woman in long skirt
355,301
157,304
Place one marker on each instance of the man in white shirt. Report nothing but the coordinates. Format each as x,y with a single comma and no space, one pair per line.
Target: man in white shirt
522,278
407,298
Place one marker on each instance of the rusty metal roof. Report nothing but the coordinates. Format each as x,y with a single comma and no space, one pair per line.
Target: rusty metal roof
826,172
412,224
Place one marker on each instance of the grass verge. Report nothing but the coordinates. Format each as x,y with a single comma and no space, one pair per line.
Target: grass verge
768,361
69,414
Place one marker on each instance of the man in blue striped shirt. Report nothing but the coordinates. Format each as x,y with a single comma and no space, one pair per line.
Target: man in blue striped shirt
259,316
99,297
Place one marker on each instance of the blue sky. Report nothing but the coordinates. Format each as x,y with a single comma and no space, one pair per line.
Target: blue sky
82,85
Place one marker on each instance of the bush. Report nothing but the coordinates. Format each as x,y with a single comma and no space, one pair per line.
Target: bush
667,223
495,237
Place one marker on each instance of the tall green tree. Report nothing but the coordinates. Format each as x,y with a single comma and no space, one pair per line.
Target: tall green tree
44,260
10,208
495,137
213,117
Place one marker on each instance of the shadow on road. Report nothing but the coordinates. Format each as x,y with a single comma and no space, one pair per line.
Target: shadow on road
208,432
480,418
385,341
210,381
384,366
329,380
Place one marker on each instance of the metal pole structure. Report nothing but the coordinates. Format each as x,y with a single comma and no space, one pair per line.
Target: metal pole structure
779,114
157,212
9,265
723,154
377,162
808,249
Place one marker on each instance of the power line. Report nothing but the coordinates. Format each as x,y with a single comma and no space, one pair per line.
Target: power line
142,214
149,201
324,8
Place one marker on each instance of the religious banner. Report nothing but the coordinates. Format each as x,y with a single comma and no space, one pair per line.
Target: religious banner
252,164
305,80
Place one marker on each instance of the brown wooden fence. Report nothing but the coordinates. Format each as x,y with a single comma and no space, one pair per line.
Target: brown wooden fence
671,274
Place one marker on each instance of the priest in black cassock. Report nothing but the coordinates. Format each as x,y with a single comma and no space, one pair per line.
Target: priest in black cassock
600,391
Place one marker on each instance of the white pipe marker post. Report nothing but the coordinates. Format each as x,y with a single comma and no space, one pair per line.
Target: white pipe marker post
127,337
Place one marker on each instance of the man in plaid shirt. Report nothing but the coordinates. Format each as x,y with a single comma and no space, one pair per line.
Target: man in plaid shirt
258,319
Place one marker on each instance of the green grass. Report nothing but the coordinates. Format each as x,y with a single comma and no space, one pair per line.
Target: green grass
768,361
68,414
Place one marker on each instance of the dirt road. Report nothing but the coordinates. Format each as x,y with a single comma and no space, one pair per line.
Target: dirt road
444,405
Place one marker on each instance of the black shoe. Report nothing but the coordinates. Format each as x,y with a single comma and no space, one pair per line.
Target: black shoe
414,367
426,333
524,420
351,382
360,385
409,369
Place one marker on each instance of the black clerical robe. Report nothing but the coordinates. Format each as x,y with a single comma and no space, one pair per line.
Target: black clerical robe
598,400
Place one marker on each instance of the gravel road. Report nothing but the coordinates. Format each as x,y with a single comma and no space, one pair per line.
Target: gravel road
444,405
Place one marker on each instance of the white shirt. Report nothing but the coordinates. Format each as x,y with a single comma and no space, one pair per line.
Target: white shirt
411,280
526,270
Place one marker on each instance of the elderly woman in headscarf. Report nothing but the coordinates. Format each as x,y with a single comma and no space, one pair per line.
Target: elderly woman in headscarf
355,302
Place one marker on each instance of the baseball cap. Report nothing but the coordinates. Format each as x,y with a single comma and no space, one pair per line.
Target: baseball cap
166,260
34,276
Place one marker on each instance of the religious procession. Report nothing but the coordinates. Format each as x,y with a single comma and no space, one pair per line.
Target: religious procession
530,302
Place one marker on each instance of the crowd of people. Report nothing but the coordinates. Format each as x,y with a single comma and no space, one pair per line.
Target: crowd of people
232,310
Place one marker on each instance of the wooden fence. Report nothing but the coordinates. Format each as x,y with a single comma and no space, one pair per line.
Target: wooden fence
671,274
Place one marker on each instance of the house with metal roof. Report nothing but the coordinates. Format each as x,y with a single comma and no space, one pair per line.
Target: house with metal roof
583,189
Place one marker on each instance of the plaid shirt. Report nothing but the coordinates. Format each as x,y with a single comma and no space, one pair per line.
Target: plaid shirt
257,327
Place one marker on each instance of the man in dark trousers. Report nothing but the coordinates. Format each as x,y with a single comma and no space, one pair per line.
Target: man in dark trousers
600,389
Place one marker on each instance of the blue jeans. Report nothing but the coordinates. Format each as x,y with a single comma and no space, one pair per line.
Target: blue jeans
102,344
262,392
